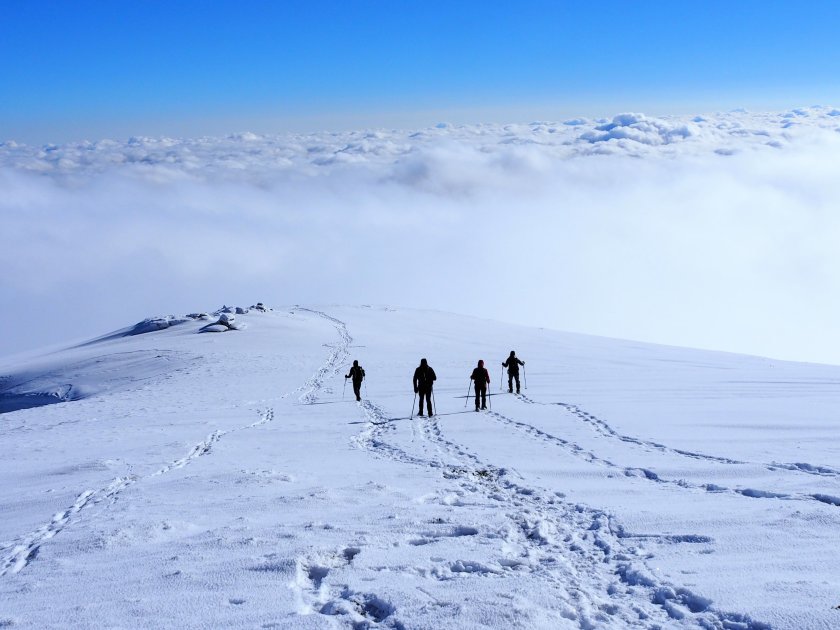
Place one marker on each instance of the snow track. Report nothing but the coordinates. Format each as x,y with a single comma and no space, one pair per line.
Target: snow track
17,555
590,542
606,430
334,362
648,474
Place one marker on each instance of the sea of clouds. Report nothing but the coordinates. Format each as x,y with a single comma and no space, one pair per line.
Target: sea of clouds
715,231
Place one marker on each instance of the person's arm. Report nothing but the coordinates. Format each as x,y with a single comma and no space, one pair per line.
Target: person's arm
505,363
434,376
415,381
521,362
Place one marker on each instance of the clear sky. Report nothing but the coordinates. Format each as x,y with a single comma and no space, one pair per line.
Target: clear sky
90,69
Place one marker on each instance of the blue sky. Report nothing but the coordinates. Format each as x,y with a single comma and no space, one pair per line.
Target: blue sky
79,69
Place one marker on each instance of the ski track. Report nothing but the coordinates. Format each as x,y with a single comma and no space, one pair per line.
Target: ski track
18,554
567,544
648,474
604,429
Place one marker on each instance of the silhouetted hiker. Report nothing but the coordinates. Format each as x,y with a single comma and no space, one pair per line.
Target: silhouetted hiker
424,378
481,378
358,374
512,364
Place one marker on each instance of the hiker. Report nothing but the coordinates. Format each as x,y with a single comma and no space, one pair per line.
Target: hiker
358,374
481,379
424,378
512,364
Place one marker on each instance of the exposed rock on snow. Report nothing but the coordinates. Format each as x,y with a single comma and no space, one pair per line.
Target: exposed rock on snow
227,321
153,324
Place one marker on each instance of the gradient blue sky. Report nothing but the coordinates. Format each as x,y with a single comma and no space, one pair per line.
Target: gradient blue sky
84,69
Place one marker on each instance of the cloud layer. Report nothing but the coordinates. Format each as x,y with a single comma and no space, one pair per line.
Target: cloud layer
716,231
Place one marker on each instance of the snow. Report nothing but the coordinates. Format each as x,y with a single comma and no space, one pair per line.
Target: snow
229,480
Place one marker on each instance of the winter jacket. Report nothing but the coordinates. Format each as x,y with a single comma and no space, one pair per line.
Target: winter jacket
512,364
424,377
481,376
357,372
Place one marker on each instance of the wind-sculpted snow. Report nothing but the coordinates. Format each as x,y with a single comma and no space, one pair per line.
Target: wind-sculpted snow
63,381
713,231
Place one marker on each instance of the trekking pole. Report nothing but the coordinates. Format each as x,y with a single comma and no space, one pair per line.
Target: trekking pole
502,380
412,404
525,376
489,397
366,392
344,389
467,397
431,413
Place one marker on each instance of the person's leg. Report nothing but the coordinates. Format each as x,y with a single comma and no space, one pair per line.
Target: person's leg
477,390
429,401
357,389
517,382
510,381
484,397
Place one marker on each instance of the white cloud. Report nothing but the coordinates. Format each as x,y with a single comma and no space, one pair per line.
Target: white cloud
717,230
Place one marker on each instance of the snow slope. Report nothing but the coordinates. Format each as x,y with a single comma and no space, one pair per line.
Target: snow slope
224,480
